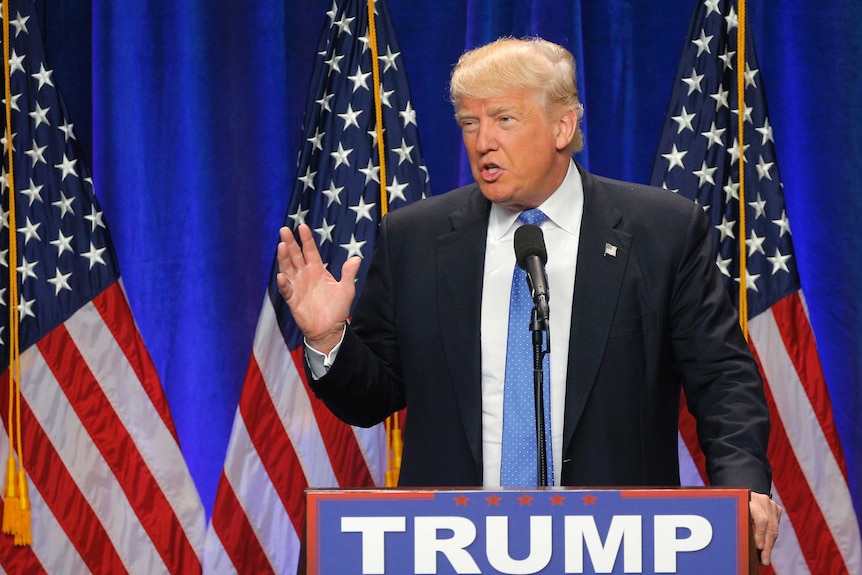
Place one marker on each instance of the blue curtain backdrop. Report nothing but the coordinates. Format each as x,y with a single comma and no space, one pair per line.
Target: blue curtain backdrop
191,112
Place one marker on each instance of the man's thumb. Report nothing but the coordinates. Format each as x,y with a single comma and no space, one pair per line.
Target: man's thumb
350,268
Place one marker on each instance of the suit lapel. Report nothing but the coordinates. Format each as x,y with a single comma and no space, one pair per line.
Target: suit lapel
460,269
602,259
603,254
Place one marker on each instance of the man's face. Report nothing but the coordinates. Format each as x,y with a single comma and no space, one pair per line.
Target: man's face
517,153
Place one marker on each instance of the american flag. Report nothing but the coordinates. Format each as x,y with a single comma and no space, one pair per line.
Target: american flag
698,156
109,488
283,439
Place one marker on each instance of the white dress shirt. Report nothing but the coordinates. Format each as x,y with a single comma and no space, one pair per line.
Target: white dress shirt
561,231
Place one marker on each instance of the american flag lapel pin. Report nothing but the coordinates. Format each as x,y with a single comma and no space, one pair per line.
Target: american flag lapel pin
610,250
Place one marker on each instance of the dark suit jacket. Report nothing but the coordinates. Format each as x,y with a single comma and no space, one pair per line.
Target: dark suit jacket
646,321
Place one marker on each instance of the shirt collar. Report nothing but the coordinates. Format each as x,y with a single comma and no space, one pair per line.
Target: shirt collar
563,208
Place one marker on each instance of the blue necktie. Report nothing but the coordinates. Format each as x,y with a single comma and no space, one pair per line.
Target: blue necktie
518,467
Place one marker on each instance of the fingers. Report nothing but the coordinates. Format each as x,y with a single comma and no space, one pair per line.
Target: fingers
309,247
290,256
291,261
765,515
285,257
283,285
297,257
771,534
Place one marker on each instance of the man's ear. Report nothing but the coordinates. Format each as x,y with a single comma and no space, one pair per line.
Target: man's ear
567,127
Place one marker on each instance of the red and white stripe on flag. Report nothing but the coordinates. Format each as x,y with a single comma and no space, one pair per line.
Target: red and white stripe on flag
109,488
283,441
819,532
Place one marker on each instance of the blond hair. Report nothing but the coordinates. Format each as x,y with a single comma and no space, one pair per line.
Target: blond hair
508,64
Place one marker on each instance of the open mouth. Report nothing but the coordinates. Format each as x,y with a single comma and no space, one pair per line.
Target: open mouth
491,172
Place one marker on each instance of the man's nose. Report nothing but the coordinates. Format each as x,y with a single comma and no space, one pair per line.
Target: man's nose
486,138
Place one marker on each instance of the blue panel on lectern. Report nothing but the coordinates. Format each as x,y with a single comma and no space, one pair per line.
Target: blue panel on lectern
701,531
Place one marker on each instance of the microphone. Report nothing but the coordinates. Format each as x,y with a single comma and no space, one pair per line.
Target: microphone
531,256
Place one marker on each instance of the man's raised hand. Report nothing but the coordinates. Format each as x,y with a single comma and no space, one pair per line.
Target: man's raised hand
320,305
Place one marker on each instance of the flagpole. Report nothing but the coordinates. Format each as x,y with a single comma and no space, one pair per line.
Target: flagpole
393,426
378,108
740,106
16,508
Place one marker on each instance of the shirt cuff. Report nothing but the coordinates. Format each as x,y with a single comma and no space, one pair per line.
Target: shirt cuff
318,362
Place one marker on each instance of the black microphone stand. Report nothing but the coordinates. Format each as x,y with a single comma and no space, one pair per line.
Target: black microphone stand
540,327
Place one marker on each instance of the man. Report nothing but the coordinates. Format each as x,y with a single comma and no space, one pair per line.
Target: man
638,308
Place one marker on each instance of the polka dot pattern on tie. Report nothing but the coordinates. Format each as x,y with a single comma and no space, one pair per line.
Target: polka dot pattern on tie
519,467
